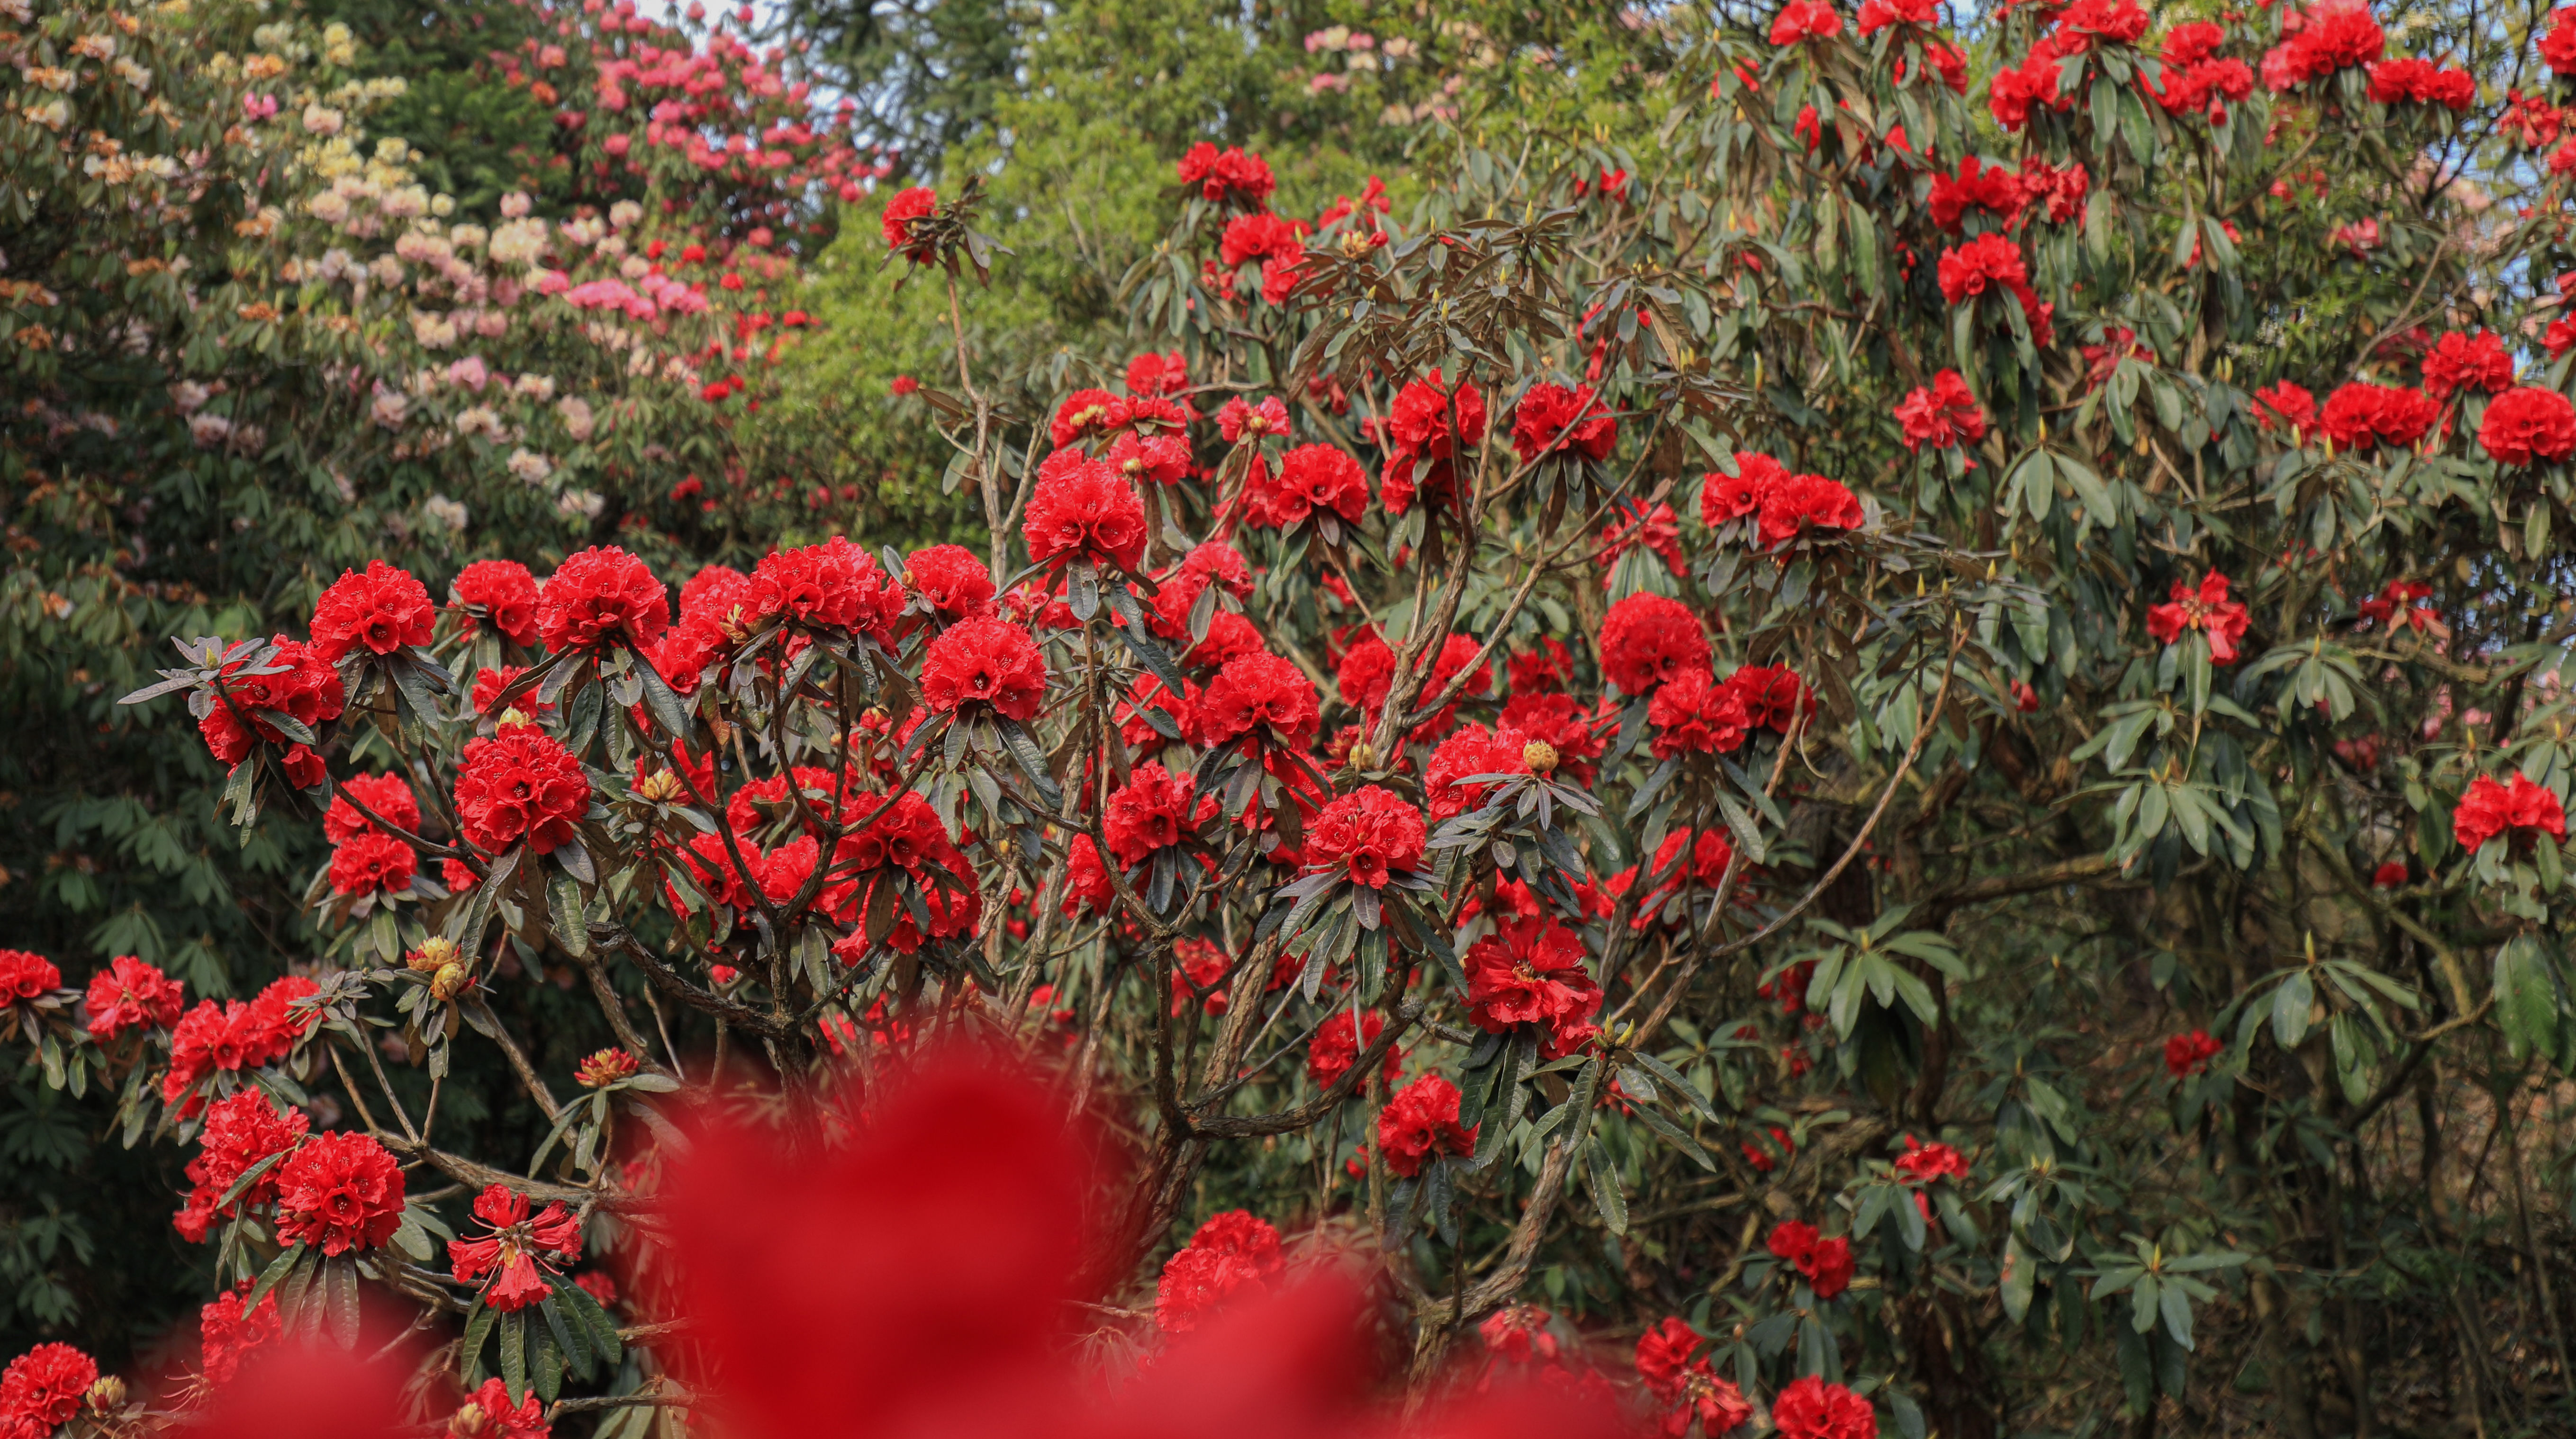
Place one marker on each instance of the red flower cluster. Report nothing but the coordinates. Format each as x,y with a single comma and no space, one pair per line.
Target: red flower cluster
1689,1388
2284,404
1152,811
1994,262
600,595
381,611
1924,1163
1277,242
1658,529
127,995
1367,675
304,688
42,1389
520,785
1694,714
501,593
226,1332
833,585
387,796
991,662
2189,1054
1942,414
1255,690
2207,609
1783,505
1369,832
372,864
1474,750
1810,1408
1082,510
1649,639
521,1254
1805,20
25,976
1310,479
952,581
2527,425
1710,854
1531,972
2490,809
2391,606
234,1036
2458,362
1337,1043
1419,1123
501,1418
2195,80
1228,174
2408,79
1826,1264
2332,36
1233,1252
2014,90
1554,421
1429,425
907,206
240,1131
1239,421
341,1191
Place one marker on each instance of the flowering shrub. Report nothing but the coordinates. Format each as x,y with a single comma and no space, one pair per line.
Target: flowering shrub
1350,762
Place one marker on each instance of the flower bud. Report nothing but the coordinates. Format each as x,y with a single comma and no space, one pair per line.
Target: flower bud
435,953
662,786
445,984
1363,755
468,1421
1540,756
512,716
107,1395
1355,243
605,1068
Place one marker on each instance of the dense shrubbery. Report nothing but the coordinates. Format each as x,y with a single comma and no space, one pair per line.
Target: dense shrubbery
1871,750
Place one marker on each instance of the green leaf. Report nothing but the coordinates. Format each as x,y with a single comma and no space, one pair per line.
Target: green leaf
2526,996
2290,1006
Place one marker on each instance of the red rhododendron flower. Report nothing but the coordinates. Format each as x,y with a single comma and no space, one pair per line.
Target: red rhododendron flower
226,1332
2422,82
520,786
1658,529
1368,832
43,1388
2061,191
1968,270
1229,174
1239,420
1082,510
1648,639
304,687
1158,460
25,976
1805,20
371,863
2207,609
240,1131
990,662
1152,374
2331,36
2087,21
503,593
906,207
1774,697
2013,91
1810,1408
2558,47
1941,415
599,595
1877,15
1087,415
519,1253
1992,188
234,1036
1256,690
1152,811
1471,751
1277,242
1233,1252
1553,420
2528,424
833,585
1694,714
2458,362
1923,1163
2389,876
340,1191
1826,1264
1531,972
1429,422
1802,502
387,796
952,580
1337,1043
2189,1054
1310,478
1724,497
2284,404
131,995
1420,1123
2490,809
1562,723
380,611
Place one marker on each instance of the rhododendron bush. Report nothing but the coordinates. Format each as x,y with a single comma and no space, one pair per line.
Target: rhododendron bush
1857,763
